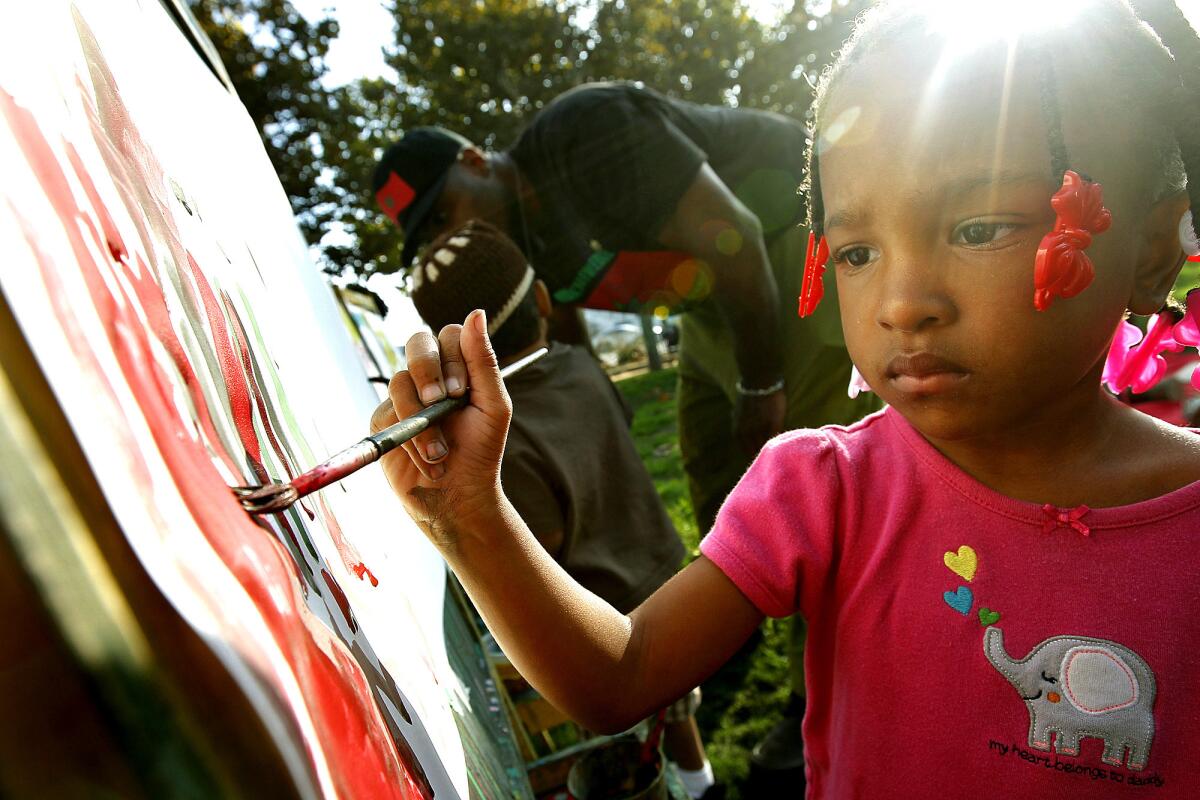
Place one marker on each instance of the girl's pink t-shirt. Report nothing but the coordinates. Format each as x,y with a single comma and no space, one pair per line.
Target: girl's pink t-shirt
965,644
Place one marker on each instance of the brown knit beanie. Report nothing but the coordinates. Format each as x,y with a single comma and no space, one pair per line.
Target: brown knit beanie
474,266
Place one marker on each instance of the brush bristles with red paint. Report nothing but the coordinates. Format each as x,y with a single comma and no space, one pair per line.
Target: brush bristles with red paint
280,497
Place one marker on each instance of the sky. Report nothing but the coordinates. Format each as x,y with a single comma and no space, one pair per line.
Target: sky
366,27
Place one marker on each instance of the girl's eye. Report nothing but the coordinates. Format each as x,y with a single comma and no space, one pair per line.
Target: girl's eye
853,256
980,233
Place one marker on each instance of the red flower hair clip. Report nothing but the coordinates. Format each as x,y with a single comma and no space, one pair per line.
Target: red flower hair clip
812,286
1061,268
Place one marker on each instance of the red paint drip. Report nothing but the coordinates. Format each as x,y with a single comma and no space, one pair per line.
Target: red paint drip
361,570
346,550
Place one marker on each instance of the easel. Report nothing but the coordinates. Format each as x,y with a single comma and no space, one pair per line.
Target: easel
548,741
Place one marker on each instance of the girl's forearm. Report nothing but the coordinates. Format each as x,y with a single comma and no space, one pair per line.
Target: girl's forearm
575,648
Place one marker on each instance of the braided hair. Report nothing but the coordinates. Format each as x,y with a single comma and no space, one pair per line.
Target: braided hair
1154,57
1168,21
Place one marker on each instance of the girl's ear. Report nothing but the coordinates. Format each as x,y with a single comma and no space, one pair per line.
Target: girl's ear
1161,257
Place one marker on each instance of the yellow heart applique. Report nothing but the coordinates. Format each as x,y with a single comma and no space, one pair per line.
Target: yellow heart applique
963,563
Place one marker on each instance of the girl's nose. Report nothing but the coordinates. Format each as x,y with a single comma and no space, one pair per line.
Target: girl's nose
913,299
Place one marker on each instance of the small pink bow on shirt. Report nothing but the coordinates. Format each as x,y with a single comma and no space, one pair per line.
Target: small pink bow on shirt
1064,518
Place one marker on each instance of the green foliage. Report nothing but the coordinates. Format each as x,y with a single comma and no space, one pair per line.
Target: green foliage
276,58
1189,278
746,697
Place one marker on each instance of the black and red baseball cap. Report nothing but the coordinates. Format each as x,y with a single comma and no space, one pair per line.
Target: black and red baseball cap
410,177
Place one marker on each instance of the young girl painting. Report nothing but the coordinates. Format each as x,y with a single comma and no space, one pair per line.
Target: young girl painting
1001,570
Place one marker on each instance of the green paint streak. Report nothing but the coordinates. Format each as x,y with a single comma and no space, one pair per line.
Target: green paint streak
285,410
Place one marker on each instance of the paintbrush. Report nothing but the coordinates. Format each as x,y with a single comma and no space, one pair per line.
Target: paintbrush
280,496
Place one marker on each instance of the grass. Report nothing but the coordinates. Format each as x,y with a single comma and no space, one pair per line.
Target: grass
743,700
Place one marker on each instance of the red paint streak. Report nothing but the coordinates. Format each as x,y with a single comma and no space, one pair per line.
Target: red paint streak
235,380
239,335
245,376
361,570
350,730
340,597
156,316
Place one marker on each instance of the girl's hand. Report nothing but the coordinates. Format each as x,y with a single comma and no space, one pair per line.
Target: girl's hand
449,476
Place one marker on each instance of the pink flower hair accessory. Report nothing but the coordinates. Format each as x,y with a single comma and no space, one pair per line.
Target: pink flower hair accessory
1187,330
1061,268
1119,352
1140,365
858,384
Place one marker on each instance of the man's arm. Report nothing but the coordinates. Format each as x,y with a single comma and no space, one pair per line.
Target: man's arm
745,292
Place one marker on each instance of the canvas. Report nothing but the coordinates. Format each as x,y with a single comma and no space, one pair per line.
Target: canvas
153,265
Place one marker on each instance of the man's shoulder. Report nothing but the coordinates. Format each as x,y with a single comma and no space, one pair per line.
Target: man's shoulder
597,94
577,110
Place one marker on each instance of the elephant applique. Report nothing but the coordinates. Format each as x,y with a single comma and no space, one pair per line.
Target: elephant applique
1078,687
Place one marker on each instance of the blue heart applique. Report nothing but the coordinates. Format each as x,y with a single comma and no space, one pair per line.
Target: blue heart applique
960,601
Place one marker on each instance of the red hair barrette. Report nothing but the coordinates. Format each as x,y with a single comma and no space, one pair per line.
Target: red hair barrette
1061,268
812,286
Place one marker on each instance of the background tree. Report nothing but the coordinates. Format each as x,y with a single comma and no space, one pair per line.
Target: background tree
276,58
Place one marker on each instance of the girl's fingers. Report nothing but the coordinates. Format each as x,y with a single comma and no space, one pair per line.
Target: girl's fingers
487,390
430,446
454,370
425,356
425,367
430,471
383,416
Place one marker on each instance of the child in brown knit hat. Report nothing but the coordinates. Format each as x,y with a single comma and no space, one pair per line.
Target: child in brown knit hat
477,266
570,466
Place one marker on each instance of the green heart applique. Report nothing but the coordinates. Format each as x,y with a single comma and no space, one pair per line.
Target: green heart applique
988,617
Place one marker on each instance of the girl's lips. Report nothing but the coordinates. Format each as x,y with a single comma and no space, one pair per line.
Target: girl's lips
924,373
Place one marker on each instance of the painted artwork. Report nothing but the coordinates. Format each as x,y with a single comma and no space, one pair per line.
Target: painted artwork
153,265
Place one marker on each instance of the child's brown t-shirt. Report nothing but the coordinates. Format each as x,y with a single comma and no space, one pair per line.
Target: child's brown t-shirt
570,465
